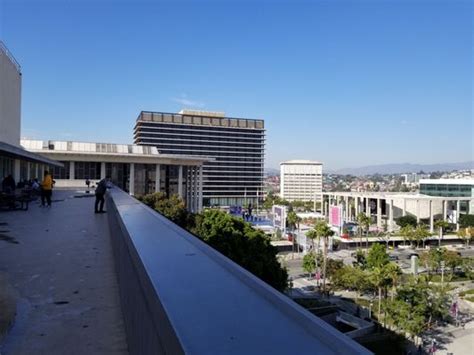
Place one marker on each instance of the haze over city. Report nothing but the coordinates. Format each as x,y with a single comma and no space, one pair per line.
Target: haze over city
346,83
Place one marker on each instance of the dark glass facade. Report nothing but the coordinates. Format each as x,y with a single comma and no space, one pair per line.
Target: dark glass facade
447,190
237,145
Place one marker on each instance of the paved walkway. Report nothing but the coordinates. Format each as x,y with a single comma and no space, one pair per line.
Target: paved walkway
60,262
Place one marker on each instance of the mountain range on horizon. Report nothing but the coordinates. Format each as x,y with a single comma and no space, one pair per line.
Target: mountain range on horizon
399,168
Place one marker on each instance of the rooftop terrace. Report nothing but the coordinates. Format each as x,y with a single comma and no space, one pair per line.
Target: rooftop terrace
60,265
174,293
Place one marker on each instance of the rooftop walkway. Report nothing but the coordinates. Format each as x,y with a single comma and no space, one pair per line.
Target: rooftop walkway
59,261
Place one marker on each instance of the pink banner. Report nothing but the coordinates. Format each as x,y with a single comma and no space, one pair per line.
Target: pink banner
335,216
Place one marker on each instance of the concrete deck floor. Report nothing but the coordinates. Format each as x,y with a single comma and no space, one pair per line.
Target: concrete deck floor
60,262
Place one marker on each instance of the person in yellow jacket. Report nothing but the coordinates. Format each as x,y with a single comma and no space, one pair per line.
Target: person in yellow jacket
46,189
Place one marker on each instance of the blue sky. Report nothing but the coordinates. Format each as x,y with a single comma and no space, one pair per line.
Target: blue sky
349,83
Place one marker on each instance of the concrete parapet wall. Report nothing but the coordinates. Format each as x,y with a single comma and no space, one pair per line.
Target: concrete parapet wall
178,295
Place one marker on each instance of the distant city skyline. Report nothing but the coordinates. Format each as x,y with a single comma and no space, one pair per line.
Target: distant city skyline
346,83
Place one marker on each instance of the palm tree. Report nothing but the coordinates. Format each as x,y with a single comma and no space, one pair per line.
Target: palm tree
407,232
324,231
441,225
393,272
311,234
364,223
293,223
421,233
383,276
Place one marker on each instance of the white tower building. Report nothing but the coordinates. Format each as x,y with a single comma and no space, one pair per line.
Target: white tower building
301,180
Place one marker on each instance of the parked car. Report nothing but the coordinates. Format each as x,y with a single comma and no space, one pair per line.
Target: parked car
412,254
393,257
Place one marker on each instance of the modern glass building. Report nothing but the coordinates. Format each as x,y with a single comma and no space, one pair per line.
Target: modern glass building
450,188
235,176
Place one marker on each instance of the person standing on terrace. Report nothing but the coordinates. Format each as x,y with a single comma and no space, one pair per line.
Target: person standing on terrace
46,189
100,191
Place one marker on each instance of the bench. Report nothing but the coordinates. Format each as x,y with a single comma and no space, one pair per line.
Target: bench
14,202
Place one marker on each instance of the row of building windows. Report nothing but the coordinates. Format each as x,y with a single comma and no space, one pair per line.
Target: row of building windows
196,129
443,187
200,120
251,141
215,152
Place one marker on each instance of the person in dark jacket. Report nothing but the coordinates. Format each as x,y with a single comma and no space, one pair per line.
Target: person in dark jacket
8,184
100,191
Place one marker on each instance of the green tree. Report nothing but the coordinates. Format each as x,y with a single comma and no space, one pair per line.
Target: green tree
239,241
382,272
417,305
407,220
324,231
352,278
466,220
360,259
407,232
333,266
466,234
377,256
393,273
309,263
293,223
293,220
380,279
172,208
420,234
441,225
311,234
364,222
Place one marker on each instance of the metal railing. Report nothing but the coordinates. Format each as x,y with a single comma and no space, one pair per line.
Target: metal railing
10,56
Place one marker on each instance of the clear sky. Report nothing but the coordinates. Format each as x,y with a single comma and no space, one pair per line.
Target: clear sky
349,83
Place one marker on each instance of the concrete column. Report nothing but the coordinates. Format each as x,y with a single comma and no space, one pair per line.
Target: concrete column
37,171
417,211
16,170
346,207
157,177
379,212
72,174
195,189
102,170
41,173
356,207
390,220
458,213
28,168
445,209
367,207
131,187
201,183
404,206
431,217
180,181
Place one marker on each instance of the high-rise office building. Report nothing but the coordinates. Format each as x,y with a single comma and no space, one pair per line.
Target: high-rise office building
237,146
301,180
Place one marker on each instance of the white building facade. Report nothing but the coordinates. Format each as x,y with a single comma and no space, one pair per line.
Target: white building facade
301,180
138,170
14,160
